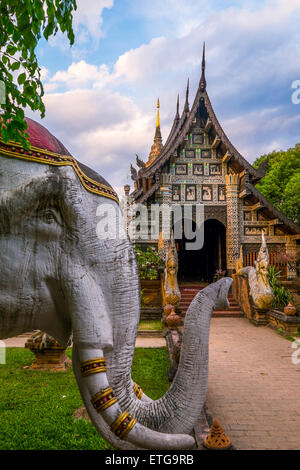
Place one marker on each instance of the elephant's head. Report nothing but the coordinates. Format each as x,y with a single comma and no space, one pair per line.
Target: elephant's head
59,274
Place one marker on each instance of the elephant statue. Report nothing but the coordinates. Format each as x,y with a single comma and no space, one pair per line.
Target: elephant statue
61,275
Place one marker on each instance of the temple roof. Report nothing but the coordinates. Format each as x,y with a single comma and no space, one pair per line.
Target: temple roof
181,127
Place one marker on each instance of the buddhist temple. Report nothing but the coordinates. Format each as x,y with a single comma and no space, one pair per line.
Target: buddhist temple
198,164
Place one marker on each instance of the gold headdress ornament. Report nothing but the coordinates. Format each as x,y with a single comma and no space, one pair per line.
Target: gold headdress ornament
38,155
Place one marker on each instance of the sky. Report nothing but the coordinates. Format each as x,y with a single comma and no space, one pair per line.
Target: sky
101,93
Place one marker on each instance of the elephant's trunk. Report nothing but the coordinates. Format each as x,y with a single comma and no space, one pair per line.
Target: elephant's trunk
179,408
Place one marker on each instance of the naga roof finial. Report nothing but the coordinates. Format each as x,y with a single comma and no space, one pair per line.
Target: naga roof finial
202,83
177,108
186,106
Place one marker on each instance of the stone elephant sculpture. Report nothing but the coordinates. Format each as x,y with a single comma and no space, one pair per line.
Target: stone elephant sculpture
58,275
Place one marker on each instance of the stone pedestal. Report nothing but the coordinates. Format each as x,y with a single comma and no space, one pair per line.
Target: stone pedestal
288,324
49,354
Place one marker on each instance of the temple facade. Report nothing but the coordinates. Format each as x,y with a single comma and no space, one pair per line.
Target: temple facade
199,165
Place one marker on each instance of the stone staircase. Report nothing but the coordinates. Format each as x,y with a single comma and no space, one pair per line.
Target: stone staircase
188,292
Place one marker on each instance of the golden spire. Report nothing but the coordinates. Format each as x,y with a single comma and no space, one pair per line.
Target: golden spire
157,119
157,144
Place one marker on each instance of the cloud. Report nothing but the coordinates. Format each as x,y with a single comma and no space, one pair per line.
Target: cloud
81,74
87,26
88,18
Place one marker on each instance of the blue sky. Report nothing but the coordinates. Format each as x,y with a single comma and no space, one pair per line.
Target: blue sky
101,93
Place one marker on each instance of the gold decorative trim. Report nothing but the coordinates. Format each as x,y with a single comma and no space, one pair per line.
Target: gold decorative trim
104,399
93,366
123,425
138,391
38,155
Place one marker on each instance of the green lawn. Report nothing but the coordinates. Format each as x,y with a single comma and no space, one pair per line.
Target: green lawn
36,407
151,325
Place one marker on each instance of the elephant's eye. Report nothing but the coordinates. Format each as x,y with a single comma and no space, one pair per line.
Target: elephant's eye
48,216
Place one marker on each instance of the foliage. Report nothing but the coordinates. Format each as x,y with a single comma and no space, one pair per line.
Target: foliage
219,274
142,297
281,295
289,259
281,184
37,407
22,24
149,262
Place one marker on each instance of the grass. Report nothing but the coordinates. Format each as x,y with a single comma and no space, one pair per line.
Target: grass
36,407
151,325
289,337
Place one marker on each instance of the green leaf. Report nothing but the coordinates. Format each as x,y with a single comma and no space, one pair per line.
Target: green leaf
11,49
21,78
15,66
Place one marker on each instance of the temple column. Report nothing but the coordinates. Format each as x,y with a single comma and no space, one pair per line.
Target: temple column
291,254
232,229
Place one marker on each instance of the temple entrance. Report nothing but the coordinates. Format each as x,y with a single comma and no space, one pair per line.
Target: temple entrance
201,265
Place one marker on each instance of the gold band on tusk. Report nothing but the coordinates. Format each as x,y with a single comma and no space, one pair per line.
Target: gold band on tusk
93,366
138,391
104,399
123,425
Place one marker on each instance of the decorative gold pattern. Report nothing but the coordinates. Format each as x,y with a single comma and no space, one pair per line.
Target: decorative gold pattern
123,425
93,366
138,391
104,399
38,155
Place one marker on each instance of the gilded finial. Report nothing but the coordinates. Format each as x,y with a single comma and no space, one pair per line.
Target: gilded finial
157,119
157,144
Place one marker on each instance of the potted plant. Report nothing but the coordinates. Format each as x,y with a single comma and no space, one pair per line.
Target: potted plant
150,265
282,297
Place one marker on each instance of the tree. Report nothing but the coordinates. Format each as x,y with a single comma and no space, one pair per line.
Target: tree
281,184
22,24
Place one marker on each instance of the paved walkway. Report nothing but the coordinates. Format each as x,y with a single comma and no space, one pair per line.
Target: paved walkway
19,342
254,388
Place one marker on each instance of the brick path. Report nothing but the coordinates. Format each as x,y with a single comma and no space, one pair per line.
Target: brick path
254,389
